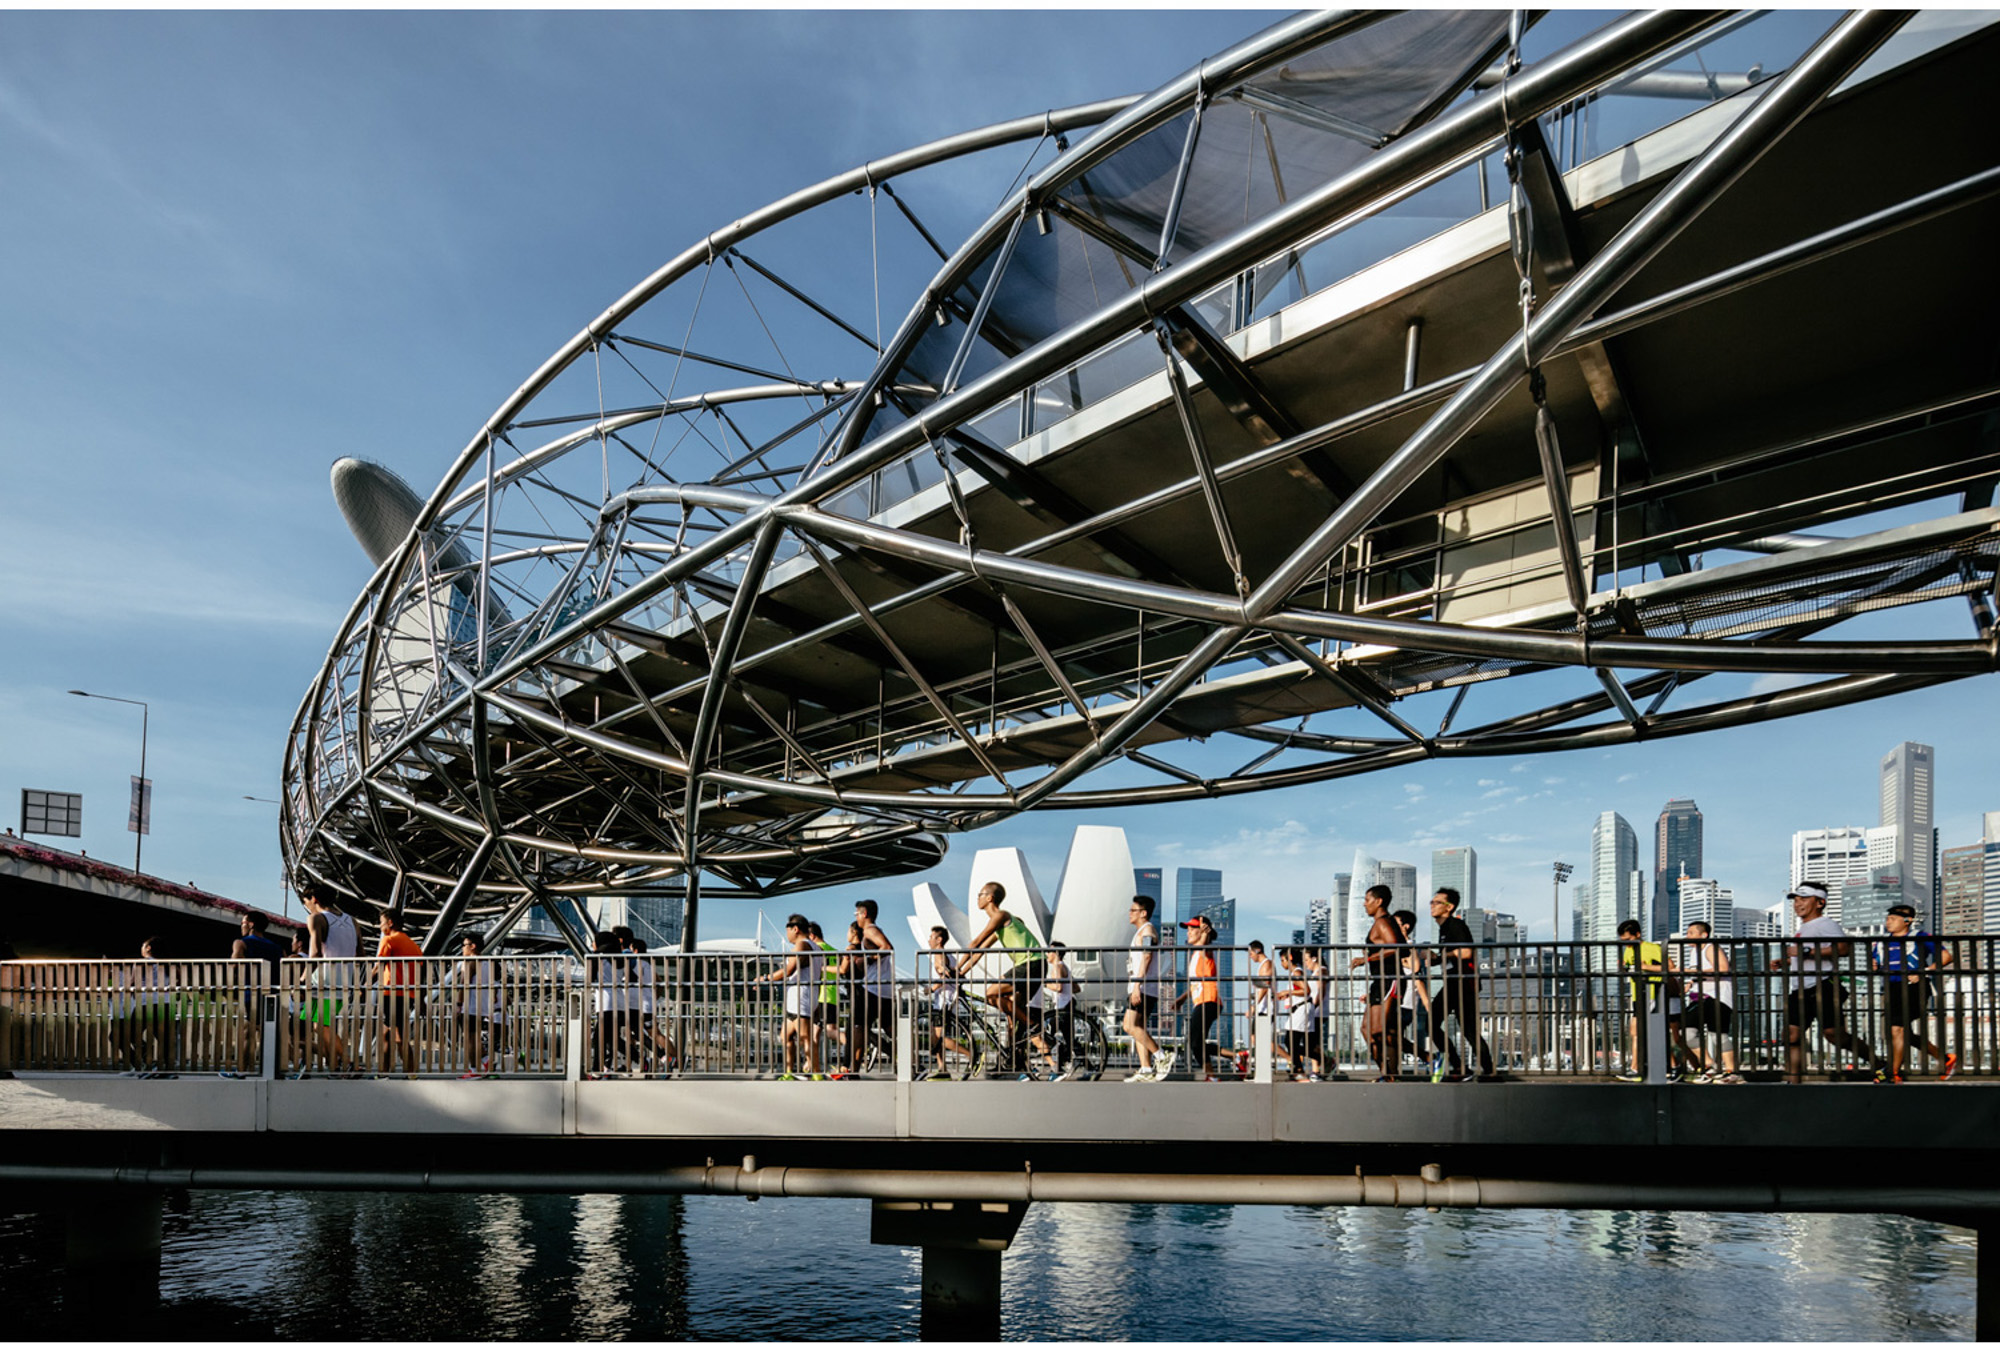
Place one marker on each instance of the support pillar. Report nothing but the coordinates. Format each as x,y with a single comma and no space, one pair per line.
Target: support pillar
962,1243
961,1295
1986,1283
111,1257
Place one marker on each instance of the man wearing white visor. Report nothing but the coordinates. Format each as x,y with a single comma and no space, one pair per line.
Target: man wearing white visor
1816,993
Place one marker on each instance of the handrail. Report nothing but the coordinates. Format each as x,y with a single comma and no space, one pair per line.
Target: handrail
1573,1011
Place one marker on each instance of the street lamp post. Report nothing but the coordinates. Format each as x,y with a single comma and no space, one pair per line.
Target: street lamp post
139,817
1562,873
284,879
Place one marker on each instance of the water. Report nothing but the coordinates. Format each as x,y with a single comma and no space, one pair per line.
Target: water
394,1266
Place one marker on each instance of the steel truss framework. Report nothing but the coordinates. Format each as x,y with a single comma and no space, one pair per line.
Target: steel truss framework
1172,447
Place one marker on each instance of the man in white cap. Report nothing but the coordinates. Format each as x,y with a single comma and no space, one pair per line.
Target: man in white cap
1815,993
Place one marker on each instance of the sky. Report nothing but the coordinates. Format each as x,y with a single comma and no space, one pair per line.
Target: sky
237,246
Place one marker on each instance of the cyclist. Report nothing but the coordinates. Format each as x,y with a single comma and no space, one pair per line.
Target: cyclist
1010,994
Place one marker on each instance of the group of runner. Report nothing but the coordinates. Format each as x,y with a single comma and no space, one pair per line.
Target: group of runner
1693,979
817,1043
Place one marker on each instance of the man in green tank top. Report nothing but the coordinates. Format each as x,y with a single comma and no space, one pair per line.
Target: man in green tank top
1025,964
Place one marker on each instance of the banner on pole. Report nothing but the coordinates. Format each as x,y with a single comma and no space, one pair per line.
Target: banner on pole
140,819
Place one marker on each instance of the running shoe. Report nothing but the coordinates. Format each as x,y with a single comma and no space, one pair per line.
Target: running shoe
1163,1065
1882,1075
233,1075
818,1076
839,1073
1630,1077
1315,1078
1144,1073
1896,1080
1731,1079
937,1073
1024,1076
1950,1067
788,1076
1437,1071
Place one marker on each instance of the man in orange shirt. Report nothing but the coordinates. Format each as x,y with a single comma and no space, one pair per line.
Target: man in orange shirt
399,990
1206,992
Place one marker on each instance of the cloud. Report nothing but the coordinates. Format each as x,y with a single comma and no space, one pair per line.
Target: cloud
1628,775
1488,784
1507,839
123,580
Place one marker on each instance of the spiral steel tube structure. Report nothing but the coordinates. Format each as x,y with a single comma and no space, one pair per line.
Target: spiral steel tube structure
1358,370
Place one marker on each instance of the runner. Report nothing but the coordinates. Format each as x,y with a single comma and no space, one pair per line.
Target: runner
611,999
1413,1012
1314,1019
1204,991
399,980
482,1008
1142,992
949,1031
1263,996
147,1029
1383,957
800,975
1711,1001
1055,1036
1647,962
826,1011
656,1045
331,934
1458,995
254,942
1812,957
1908,961
875,1001
1293,1010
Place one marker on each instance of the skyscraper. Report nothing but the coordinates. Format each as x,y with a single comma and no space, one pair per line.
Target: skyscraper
1146,883
1708,901
1401,880
1962,898
1906,806
1840,856
1676,855
1456,867
1336,913
1614,867
1319,919
1198,892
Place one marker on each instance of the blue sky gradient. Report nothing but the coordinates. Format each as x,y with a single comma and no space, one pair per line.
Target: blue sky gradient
241,245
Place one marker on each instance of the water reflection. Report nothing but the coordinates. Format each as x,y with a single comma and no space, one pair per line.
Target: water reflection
383,1266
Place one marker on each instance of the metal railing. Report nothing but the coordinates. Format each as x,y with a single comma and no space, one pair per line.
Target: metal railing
1587,1010
139,1016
